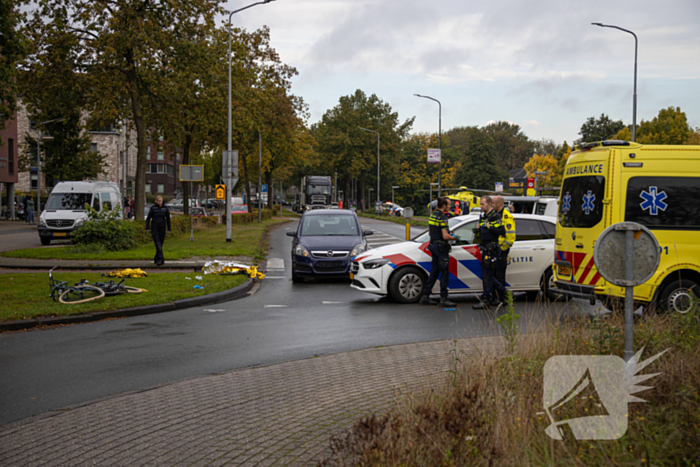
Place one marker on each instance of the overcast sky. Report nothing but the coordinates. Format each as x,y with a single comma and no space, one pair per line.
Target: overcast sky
537,63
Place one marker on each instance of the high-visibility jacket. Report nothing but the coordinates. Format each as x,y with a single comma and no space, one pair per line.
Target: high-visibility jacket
506,241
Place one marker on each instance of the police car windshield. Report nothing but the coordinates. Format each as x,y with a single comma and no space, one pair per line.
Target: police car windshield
425,236
68,201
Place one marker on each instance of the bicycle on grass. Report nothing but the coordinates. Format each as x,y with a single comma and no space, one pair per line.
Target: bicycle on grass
81,292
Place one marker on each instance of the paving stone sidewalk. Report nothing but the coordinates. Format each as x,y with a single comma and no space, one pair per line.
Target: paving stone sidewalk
279,414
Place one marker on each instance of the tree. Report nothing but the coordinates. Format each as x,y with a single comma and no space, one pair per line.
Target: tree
694,137
352,152
478,167
545,146
599,129
13,45
670,126
512,146
53,91
122,50
543,163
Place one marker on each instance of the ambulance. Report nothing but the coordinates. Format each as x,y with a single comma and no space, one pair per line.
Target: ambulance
657,186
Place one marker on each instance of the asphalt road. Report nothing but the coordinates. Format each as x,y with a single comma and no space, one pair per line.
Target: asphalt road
47,369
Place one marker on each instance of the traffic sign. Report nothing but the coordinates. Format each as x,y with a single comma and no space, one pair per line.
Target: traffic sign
263,188
220,191
191,173
499,187
434,156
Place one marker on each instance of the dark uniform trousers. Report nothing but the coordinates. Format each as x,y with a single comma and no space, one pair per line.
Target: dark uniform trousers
441,266
158,232
493,287
502,264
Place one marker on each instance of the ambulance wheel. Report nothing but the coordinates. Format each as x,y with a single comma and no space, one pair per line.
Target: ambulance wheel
406,285
547,284
680,296
45,240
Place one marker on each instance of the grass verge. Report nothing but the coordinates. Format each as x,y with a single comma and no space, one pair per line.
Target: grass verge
490,409
27,295
394,219
208,242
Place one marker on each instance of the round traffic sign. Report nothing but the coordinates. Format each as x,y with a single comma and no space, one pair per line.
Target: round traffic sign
407,213
610,254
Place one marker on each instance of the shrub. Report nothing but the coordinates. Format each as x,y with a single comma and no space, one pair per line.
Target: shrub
105,229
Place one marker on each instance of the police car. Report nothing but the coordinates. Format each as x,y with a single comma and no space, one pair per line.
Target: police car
401,270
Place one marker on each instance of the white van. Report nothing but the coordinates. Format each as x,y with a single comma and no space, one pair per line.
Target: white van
65,209
547,207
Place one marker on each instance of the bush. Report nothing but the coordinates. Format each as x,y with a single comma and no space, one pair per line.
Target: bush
250,217
151,199
105,229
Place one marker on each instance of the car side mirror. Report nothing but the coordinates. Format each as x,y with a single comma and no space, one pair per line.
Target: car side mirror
291,234
367,232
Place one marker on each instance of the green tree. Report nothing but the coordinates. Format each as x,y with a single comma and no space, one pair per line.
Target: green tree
599,129
122,49
478,167
13,45
53,91
670,126
513,148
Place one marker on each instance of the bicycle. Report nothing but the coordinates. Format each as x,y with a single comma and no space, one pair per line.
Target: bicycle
116,288
81,292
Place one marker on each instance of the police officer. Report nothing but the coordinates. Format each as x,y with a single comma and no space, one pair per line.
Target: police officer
440,250
504,241
490,228
158,218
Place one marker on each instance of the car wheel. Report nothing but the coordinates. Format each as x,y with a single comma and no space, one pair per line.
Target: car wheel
295,277
547,284
680,296
406,285
45,240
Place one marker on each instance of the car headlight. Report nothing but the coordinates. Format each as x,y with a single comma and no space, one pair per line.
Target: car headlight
42,222
375,263
357,250
80,222
301,251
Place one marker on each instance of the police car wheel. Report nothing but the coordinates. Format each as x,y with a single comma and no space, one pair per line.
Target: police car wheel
680,296
406,285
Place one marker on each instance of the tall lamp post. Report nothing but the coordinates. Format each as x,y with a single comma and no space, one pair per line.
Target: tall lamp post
369,193
431,193
378,139
38,163
439,137
392,193
634,96
235,162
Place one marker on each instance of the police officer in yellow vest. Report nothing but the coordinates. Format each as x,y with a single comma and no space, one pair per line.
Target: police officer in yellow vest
440,251
490,228
504,241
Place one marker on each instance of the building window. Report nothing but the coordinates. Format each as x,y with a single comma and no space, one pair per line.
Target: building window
148,152
160,154
171,170
161,188
149,187
11,156
93,147
161,168
34,179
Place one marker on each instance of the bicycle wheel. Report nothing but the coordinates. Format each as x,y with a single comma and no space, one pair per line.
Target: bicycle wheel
81,294
132,289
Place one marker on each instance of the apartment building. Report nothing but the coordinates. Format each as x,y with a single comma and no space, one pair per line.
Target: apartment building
9,174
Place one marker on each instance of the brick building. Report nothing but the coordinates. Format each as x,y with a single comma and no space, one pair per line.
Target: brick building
9,174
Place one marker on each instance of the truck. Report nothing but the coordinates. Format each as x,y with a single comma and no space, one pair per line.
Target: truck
315,193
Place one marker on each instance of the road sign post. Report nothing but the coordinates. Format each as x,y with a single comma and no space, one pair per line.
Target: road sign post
191,173
408,213
627,254
229,163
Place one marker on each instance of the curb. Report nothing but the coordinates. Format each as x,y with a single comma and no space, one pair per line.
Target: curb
100,267
223,296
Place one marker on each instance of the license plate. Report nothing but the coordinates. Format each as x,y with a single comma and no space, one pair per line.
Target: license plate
56,234
352,276
564,271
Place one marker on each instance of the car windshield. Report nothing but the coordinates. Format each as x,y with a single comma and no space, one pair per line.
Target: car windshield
68,201
329,224
425,236
239,208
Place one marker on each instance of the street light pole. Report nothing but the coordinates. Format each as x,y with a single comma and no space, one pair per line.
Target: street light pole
439,139
38,163
392,193
234,162
634,96
378,139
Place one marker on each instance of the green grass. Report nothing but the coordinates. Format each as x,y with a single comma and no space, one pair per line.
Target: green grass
208,242
394,219
27,295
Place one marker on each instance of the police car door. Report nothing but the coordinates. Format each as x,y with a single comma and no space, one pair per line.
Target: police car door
529,255
465,261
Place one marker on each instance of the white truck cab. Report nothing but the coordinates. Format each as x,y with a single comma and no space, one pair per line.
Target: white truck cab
65,210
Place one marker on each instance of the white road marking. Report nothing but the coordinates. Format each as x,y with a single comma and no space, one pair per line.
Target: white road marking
275,263
333,303
213,311
275,277
275,306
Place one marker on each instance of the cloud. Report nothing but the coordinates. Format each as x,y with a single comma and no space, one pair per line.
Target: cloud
531,122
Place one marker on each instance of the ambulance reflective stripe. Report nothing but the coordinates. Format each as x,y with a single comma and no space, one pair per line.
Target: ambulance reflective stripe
579,272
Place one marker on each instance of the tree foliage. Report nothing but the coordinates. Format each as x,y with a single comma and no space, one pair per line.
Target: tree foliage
478,168
670,126
543,163
512,147
13,46
599,129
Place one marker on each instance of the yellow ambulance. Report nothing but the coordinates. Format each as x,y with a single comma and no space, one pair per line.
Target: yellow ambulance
657,186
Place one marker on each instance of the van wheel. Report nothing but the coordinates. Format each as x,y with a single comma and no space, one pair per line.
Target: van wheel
45,240
547,284
680,296
406,286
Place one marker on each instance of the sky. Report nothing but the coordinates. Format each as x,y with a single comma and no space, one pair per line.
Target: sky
537,63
